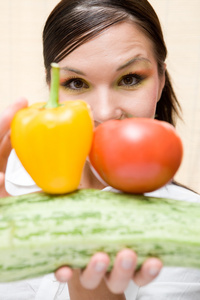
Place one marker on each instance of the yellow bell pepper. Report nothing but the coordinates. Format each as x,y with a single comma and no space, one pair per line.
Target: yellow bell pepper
53,141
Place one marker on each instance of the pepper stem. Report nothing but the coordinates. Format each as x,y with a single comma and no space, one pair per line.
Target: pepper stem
54,89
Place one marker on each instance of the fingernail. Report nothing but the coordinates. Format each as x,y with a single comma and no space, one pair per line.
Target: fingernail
153,271
127,263
62,279
100,266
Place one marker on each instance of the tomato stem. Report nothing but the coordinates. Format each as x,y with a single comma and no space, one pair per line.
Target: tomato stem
54,89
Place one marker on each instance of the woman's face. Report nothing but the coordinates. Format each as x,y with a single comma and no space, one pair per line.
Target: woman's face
115,73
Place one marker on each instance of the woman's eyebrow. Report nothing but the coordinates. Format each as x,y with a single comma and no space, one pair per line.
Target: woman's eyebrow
132,61
72,70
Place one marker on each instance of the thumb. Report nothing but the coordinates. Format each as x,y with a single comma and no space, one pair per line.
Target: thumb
3,192
8,114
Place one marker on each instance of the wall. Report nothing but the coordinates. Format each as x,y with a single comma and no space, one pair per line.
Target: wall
22,72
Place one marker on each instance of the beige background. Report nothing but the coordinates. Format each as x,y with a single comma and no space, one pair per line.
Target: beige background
22,71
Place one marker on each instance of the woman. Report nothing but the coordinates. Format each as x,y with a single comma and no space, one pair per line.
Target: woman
112,55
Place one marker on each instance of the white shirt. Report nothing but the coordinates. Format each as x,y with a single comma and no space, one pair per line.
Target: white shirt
171,284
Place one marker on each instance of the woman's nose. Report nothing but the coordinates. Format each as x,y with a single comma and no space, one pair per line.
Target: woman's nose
106,106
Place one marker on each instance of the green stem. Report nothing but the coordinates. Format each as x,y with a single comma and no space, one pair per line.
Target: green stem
54,89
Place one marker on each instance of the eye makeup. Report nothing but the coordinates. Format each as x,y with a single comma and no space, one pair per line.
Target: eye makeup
74,84
131,80
134,77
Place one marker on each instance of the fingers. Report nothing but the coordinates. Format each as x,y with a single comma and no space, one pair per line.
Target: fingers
63,274
95,271
5,148
3,192
5,120
122,272
91,277
8,114
118,279
149,270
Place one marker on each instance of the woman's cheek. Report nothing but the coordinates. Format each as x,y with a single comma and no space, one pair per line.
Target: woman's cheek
65,96
142,104
152,96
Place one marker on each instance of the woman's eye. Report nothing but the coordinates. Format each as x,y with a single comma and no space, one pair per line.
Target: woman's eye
130,80
75,84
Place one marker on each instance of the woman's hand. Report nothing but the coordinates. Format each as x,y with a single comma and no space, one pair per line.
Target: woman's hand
5,144
118,279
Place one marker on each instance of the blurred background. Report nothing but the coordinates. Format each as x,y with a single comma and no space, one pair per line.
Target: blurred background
22,72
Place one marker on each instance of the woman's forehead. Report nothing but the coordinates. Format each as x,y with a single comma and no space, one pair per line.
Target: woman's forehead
122,41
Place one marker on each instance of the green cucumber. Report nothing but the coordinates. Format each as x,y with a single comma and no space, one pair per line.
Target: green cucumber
39,232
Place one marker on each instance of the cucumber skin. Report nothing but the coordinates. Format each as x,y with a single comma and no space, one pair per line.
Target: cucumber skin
39,232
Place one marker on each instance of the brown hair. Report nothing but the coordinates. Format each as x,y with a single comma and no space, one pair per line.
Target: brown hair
73,22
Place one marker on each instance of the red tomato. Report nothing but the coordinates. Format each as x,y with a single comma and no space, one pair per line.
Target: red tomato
136,155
